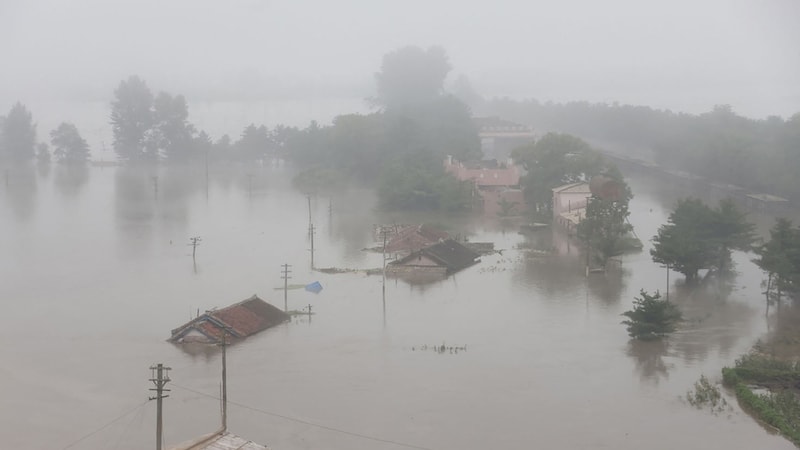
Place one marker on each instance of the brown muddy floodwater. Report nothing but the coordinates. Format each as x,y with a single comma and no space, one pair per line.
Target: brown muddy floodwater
96,271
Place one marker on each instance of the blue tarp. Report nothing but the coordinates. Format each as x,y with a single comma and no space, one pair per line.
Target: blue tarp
314,287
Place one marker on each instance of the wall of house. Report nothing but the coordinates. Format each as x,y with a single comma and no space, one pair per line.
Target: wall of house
569,201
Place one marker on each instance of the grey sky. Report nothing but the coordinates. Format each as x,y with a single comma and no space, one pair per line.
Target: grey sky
683,55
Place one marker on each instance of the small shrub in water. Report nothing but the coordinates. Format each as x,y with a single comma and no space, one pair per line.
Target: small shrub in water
651,318
706,395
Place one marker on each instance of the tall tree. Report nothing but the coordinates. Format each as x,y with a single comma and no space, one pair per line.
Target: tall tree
68,145
780,259
172,131
697,237
552,161
18,135
132,121
411,75
254,144
605,228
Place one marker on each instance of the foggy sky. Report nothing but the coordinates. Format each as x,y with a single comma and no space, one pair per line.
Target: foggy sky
682,55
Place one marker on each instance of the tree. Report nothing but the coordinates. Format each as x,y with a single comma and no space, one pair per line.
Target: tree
254,143
411,75
552,161
684,243
780,259
42,154
605,228
18,135
132,122
651,318
68,145
173,132
698,237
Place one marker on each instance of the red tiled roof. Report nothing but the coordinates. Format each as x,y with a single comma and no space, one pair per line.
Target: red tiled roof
242,319
415,237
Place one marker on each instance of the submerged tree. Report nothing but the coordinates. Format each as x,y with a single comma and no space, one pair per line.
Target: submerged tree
651,317
18,135
132,121
605,228
697,237
68,145
780,259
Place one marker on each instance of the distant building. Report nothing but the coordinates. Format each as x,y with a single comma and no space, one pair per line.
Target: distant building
232,323
569,204
497,184
499,136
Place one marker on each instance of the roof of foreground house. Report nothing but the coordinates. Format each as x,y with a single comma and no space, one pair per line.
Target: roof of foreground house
238,320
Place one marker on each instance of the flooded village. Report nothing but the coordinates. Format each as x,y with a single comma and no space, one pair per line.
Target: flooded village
545,344
398,225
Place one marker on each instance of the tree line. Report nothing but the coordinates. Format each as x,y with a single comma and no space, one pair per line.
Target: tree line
760,155
18,142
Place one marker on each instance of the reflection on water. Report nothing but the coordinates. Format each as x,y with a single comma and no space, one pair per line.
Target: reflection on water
93,285
20,186
649,359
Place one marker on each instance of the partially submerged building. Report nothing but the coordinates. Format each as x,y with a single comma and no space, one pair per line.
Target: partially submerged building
405,239
441,259
231,323
496,184
569,204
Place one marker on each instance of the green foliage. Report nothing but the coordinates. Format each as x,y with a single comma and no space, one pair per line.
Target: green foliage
605,228
552,161
780,259
698,237
651,318
68,145
17,135
780,408
707,395
255,143
418,181
720,145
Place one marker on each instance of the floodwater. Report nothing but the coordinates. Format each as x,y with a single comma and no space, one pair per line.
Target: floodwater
96,271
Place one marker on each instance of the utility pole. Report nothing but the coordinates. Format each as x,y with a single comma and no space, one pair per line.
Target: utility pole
311,233
155,185
206,174
667,282
160,377
224,380
194,242
308,197
286,277
309,313
250,185
383,282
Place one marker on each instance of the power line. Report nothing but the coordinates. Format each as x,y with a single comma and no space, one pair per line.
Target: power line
104,426
305,422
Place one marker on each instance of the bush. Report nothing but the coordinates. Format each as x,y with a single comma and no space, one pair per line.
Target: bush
651,318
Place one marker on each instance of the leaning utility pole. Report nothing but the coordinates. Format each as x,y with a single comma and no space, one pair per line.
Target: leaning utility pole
160,378
286,277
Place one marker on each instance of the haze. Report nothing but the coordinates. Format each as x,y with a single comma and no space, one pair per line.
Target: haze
681,55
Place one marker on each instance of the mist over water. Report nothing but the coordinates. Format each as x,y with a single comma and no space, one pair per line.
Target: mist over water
96,276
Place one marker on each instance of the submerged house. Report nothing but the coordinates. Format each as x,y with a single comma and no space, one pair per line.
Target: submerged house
405,239
497,184
569,204
440,259
231,323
